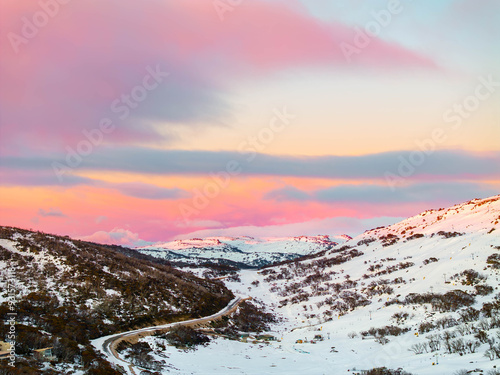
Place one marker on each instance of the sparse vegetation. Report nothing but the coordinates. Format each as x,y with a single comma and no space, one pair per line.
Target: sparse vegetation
386,371
385,331
450,301
415,236
430,260
84,291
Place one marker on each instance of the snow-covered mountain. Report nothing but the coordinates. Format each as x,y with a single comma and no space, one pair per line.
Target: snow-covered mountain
420,254
242,251
421,295
423,290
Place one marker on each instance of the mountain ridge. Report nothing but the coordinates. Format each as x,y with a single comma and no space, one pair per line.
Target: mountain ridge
242,251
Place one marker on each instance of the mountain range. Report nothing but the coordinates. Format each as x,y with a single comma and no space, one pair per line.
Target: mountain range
240,252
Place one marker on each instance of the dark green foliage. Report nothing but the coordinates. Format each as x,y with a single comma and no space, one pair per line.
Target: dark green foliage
30,338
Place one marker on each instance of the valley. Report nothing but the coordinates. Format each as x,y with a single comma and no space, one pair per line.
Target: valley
417,297
421,295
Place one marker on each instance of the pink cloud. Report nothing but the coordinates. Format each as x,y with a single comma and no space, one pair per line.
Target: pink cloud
64,79
117,236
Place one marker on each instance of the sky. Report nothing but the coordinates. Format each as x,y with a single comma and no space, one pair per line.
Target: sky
134,122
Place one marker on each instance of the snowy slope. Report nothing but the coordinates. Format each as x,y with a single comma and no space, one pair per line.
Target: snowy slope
62,293
408,276
72,270
246,251
460,237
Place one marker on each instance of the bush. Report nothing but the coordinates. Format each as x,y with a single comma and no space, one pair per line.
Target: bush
492,308
434,342
419,348
446,322
426,327
250,318
415,236
138,354
385,331
494,261
449,234
483,290
469,314
366,241
400,316
247,318
472,277
450,301
182,336
389,240
430,260
386,371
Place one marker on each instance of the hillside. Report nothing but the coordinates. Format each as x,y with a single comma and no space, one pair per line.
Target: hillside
66,292
240,252
424,253
421,295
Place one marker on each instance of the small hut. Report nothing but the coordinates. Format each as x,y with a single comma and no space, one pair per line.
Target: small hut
44,354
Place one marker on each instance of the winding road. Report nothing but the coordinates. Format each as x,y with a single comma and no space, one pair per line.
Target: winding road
107,345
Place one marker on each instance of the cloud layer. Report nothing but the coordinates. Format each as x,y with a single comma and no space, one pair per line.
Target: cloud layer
69,76
444,163
115,114
430,192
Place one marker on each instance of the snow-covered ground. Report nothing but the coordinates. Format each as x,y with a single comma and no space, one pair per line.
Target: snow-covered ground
231,357
423,254
245,250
